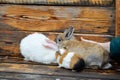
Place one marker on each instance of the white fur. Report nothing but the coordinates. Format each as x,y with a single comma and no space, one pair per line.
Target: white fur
62,51
66,60
105,45
32,49
107,66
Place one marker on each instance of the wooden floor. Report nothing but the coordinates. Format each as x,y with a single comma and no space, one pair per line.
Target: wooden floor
12,68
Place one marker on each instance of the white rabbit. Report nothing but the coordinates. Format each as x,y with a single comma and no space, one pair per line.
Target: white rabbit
69,60
94,55
37,47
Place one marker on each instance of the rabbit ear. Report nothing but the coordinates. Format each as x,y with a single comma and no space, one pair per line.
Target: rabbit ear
50,44
69,32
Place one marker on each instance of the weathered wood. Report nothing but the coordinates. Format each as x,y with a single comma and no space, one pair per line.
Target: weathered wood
20,60
14,24
117,18
54,71
17,21
12,68
57,18
10,40
23,76
63,2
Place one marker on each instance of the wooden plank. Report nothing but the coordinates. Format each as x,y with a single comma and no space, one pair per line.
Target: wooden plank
20,60
57,18
64,2
117,18
60,25
54,71
58,11
14,25
10,40
23,76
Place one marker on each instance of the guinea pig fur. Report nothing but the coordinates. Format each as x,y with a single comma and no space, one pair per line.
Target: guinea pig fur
69,60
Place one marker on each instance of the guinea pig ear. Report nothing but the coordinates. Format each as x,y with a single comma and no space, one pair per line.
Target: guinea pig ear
69,32
58,52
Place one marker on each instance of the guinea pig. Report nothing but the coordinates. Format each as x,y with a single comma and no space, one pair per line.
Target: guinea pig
69,60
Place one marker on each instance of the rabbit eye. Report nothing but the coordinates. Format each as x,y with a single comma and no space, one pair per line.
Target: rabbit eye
59,40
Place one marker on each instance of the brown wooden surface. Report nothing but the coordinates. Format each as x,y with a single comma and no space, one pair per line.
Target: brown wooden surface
16,68
117,18
97,20
17,21
54,71
63,2
10,40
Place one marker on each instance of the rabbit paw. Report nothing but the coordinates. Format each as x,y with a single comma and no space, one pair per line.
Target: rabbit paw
46,62
95,67
59,66
26,59
73,71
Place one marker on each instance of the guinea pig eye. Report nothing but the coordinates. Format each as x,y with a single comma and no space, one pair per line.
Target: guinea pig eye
59,40
65,47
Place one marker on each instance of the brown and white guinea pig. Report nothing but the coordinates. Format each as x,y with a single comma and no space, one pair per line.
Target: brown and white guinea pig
69,60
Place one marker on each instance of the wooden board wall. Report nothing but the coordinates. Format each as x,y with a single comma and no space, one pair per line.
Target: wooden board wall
117,18
17,21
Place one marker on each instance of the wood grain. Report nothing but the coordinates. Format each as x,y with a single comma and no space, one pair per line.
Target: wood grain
12,68
17,21
10,40
98,20
117,18
53,71
63,2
